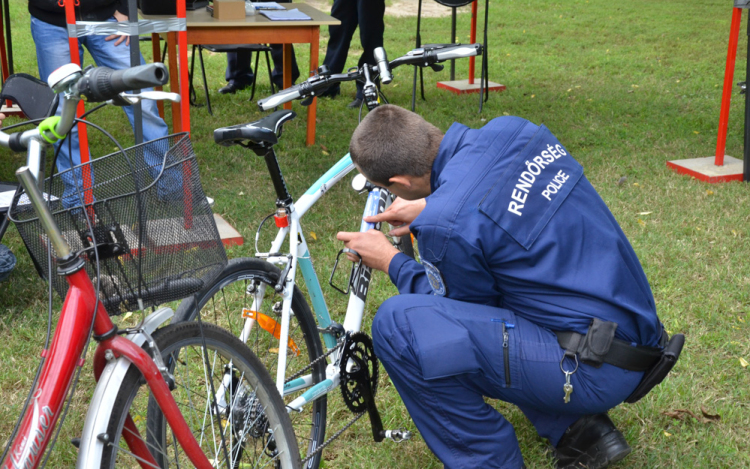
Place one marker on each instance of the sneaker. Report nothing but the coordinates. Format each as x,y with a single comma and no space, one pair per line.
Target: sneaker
592,442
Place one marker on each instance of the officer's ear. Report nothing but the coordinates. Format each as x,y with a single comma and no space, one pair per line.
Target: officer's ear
405,181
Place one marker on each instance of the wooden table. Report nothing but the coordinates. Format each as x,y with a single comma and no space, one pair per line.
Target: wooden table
256,29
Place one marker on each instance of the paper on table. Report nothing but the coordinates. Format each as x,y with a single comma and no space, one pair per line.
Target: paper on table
285,15
267,6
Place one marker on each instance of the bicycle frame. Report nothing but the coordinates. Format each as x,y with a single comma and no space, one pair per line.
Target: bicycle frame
377,201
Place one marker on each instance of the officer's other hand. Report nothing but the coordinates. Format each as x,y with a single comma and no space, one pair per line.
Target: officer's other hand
372,246
2,118
400,214
119,17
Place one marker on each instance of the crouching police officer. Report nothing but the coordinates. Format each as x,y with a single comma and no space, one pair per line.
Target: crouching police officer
528,291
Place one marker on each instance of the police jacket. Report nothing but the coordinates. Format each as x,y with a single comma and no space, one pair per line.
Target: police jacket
51,12
512,222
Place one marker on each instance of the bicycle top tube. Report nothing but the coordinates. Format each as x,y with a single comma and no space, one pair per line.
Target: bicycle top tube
324,183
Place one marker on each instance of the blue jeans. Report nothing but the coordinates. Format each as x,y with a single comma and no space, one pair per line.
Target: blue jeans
52,52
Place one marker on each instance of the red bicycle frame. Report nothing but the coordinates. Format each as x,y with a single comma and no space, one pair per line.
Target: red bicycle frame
69,340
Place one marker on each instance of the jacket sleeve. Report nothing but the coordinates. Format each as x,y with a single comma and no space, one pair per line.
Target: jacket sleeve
408,275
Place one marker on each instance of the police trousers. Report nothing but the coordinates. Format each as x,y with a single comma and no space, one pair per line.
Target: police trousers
444,356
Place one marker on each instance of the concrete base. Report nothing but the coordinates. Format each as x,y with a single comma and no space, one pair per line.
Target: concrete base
229,236
13,110
704,169
463,86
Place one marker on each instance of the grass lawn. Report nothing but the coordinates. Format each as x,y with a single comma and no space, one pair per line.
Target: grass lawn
625,86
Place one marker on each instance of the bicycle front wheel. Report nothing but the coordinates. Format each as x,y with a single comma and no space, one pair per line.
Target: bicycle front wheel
246,288
227,399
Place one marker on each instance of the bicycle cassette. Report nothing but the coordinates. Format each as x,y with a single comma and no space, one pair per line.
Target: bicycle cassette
359,368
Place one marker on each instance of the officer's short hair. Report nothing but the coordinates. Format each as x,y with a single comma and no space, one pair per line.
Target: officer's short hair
393,141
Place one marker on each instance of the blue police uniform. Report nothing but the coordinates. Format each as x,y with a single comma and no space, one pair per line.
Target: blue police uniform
515,243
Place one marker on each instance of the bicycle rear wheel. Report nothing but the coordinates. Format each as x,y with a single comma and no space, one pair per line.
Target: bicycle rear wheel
226,397
247,284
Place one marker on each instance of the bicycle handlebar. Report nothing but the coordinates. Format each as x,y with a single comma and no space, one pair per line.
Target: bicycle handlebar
103,83
423,57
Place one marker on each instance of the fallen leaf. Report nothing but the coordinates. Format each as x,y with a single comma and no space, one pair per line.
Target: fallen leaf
533,95
241,193
710,416
645,213
326,153
696,132
666,433
744,362
682,414
570,89
323,147
636,184
709,192
313,235
641,222
127,315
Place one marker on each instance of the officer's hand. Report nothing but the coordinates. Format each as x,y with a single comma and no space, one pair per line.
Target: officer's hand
2,118
400,214
372,246
119,17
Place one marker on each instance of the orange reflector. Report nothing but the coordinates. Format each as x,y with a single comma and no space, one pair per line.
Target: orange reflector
269,325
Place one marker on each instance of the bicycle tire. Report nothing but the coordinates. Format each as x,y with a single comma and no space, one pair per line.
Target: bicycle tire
406,245
255,423
222,303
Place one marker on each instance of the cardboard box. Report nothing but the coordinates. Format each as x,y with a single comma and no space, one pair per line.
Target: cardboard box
229,9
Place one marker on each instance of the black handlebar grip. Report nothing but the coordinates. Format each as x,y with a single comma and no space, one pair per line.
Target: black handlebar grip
103,83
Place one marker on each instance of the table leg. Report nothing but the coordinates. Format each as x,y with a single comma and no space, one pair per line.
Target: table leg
174,80
312,108
287,78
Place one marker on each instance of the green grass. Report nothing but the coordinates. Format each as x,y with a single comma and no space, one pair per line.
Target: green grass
625,86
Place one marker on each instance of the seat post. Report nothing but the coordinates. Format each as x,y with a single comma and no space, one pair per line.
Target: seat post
283,199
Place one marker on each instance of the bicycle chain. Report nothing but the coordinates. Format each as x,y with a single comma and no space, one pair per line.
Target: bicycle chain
329,440
312,363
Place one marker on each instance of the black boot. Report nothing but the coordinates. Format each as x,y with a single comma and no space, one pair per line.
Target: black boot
592,442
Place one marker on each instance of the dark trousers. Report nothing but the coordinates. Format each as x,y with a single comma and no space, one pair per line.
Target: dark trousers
241,73
368,15
444,356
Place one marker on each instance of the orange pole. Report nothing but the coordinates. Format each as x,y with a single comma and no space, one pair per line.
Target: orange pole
473,39
83,143
734,32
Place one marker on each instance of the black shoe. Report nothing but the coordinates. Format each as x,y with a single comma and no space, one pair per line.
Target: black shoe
592,442
231,88
331,92
355,104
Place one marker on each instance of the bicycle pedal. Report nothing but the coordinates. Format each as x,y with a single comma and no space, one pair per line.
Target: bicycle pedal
397,436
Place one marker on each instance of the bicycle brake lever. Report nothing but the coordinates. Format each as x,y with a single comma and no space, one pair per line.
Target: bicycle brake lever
437,67
133,98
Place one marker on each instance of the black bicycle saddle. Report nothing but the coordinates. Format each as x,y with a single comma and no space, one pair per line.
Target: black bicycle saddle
263,133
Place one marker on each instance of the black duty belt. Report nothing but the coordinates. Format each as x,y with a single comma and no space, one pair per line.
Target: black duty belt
599,346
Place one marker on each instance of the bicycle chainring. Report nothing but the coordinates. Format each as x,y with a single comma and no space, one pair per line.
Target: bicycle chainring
363,371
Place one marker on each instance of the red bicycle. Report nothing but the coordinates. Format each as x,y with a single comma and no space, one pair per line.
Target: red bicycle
182,395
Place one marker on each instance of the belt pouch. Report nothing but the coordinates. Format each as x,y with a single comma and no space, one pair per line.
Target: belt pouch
596,342
659,371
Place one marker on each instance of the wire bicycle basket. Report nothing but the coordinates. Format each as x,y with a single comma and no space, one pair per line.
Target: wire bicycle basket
152,228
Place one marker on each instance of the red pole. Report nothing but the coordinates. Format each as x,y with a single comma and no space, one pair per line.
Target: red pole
83,142
734,32
473,39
